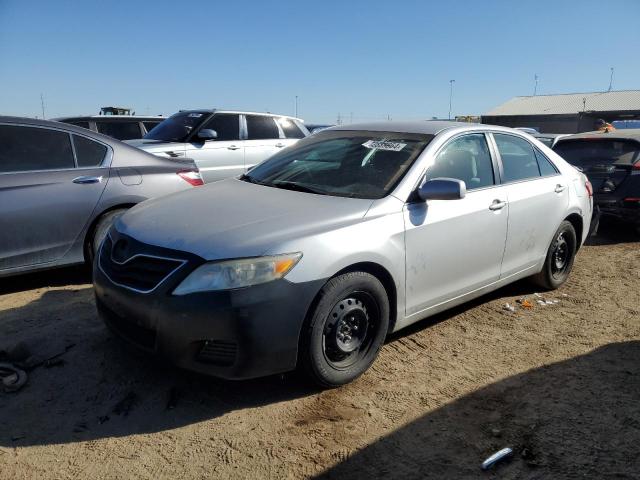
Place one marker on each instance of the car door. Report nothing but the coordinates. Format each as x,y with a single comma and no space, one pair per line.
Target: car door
538,198
454,247
263,139
46,200
223,156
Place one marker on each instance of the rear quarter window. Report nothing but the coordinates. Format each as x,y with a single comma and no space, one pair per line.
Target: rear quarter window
88,152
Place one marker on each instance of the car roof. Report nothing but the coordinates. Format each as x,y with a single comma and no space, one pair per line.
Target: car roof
240,112
117,117
59,126
548,135
622,134
428,127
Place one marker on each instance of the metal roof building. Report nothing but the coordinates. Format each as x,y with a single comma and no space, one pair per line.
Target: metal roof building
566,113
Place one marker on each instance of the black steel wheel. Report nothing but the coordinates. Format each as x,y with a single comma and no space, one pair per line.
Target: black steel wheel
559,259
346,330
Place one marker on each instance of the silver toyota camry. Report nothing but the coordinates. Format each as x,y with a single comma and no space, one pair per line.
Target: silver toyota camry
314,256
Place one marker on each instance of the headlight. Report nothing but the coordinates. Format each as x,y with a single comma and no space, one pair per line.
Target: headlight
237,273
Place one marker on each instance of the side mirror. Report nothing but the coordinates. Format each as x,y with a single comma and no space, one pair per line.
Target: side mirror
207,134
442,189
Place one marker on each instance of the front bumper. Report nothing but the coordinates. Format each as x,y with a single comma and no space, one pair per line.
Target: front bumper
235,334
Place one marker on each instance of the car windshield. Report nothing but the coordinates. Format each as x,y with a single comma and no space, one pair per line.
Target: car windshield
358,164
585,153
177,127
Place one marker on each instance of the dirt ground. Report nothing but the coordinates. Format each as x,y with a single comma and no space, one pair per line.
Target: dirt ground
560,384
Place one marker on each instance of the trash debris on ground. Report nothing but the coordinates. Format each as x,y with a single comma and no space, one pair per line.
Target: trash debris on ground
541,302
124,406
497,457
526,304
12,377
510,308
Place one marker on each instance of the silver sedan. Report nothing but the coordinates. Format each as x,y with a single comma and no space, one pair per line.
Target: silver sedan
315,255
61,187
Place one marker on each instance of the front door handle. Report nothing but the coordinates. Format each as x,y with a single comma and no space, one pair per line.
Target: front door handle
497,205
233,147
559,188
87,180
280,145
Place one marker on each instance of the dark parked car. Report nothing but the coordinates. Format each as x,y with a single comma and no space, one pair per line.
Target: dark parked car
122,127
612,163
62,186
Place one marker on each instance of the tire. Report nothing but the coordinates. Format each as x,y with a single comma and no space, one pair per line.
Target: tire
559,260
346,329
102,227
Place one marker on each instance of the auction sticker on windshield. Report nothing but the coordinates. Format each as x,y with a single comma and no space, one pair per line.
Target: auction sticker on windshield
384,145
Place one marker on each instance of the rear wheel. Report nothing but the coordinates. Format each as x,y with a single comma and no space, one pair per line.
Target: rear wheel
559,260
102,227
346,330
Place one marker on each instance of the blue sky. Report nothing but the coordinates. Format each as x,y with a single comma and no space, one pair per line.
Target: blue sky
365,59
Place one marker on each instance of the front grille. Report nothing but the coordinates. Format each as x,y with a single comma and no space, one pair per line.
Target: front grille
141,336
125,266
218,352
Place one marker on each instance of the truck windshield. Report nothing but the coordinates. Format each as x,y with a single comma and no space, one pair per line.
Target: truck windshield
357,164
177,127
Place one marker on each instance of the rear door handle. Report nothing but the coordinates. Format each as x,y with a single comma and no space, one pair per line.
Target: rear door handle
233,147
87,180
280,145
559,188
175,154
497,205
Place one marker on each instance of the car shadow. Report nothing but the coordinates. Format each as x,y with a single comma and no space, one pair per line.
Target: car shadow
612,231
577,418
96,387
58,277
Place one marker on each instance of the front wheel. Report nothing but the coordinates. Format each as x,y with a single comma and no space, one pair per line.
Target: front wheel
559,260
346,330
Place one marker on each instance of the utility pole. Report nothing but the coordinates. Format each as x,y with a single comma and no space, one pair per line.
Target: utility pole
339,121
610,80
350,117
451,82
42,105
535,88
296,115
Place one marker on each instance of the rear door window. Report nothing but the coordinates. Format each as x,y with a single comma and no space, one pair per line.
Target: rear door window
226,125
120,130
88,152
519,161
29,148
588,153
289,128
261,127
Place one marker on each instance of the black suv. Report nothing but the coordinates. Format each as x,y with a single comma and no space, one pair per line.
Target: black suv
612,163
122,127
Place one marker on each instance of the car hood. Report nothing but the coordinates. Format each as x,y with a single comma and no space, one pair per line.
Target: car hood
233,218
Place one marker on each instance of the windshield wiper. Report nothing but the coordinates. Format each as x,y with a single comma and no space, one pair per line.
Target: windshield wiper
247,178
297,187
